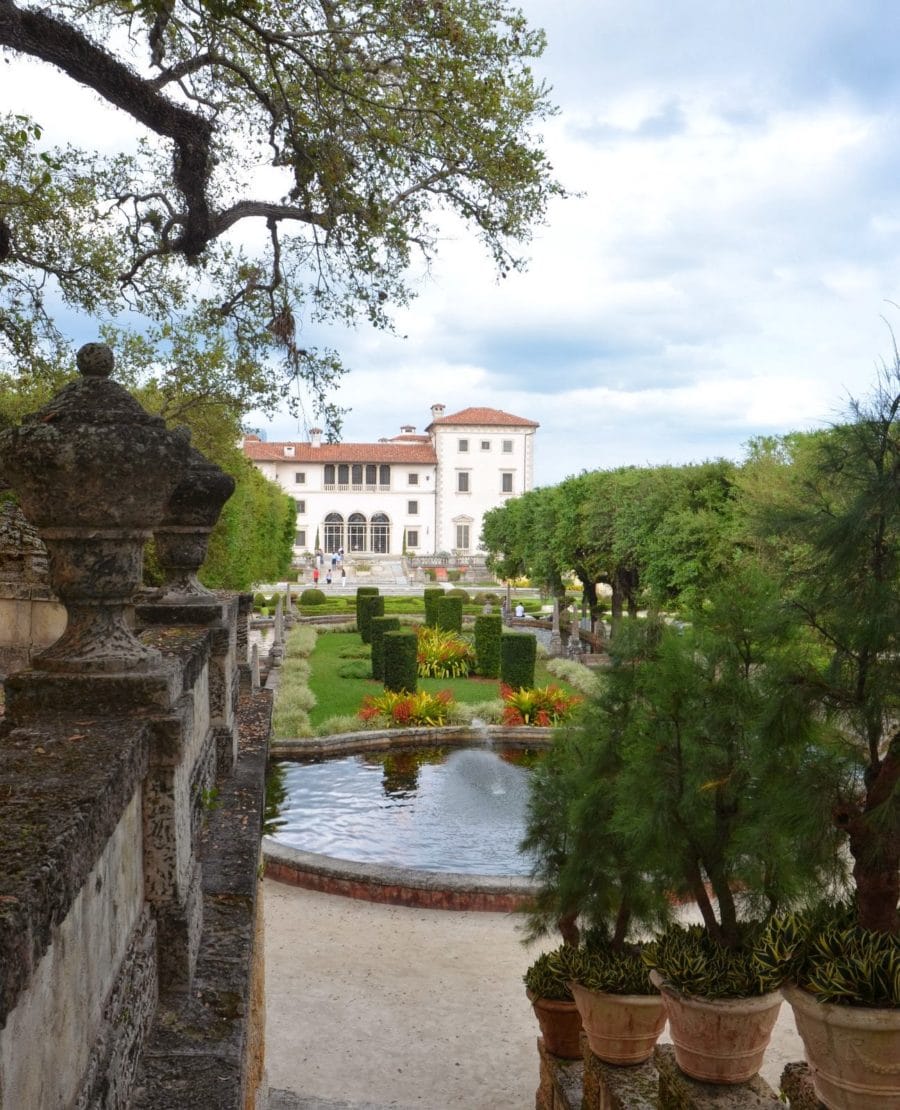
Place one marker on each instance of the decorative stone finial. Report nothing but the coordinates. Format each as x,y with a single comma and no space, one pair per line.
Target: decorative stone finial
95,360
93,471
182,538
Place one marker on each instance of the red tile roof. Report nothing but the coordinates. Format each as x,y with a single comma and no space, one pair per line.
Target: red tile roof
415,453
485,416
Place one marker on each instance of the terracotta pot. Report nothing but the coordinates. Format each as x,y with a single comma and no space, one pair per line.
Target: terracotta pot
853,1052
560,1025
620,1028
719,1040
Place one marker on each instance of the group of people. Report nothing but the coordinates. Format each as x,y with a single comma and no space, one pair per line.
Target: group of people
331,572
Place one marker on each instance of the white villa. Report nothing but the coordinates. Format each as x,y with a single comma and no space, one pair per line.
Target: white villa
422,493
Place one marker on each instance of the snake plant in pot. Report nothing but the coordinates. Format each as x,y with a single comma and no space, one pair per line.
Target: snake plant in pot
834,532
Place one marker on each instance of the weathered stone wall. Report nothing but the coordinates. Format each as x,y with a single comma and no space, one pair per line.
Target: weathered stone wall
31,618
130,802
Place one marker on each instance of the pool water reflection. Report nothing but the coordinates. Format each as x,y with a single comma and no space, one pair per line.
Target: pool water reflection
459,809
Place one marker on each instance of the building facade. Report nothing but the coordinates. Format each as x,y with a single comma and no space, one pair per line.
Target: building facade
423,494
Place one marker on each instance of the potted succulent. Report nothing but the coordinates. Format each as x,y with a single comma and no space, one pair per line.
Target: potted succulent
834,531
621,1010
547,987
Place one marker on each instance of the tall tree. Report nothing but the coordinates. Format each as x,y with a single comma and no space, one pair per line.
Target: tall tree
370,118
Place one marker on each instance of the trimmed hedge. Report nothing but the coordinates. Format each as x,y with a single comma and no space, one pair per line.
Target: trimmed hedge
378,627
312,597
431,596
449,613
518,652
488,630
367,607
400,650
363,591
458,591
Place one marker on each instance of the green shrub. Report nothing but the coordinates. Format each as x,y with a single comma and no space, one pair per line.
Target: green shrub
367,607
431,574
400,661
488,630
549,975
543,706
449,613
453,575
259,601
458,591
691,961
377,629
363,591
487,599
313,597
354,668
518,652
431,596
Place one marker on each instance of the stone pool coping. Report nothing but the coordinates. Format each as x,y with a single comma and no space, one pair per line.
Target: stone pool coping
400,886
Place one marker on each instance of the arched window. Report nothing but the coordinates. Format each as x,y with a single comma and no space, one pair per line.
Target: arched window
371,474
384,475
356,474
334,532
356,532
380,534
329,474
343,474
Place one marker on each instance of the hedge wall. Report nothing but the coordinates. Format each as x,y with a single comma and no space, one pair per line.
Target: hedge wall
377,628
367,607
432,595
518,652
363,591
400,661
488,629
449,613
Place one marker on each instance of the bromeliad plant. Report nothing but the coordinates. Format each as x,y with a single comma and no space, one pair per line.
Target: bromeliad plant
441,654
392,709
548,977
598,965
691,961
541,706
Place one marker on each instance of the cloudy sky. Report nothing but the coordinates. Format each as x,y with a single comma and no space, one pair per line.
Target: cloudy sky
728,269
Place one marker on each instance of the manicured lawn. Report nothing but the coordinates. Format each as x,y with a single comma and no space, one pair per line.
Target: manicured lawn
338,695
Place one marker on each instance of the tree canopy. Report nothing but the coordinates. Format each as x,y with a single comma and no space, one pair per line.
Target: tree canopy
335,136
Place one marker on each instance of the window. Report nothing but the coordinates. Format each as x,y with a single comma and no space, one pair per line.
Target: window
412,507
485,445
384,475
329,474
506,481
412,479
464,445
412,537
371,474
300,538
507,447
381,534
301,506
462,537
356,474
334,532
343,474
462,481
300,477
356,532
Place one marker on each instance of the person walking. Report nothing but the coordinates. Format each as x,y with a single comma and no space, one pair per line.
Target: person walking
315,576
343,575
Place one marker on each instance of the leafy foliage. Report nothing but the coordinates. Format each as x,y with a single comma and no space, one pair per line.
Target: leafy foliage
394,709
548,976
690,960
543,706
441,654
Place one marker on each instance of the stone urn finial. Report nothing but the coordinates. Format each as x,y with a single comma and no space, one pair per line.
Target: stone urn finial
93,472
182,538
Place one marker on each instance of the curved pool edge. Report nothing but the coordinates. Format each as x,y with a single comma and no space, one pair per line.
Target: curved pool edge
381,739
396,886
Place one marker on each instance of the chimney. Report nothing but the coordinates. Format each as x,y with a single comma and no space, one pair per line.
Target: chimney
408,429
315,437
288,450
437,411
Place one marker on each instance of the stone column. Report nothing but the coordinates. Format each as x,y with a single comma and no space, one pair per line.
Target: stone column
254,668
555,647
